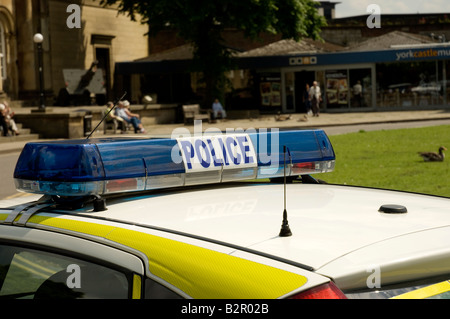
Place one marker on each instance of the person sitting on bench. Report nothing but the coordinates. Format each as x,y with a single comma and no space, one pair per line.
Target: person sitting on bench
218,109
129,117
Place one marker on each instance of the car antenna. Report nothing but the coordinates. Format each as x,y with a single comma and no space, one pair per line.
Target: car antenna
104,117
285,230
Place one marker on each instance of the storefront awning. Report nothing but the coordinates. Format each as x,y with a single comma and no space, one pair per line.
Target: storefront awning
395,47
426,53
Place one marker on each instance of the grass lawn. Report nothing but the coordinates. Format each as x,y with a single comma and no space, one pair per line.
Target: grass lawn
389,159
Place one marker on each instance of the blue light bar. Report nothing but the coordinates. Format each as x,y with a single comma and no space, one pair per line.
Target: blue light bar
113,165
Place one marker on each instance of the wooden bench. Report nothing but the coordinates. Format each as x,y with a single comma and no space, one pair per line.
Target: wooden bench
109,123
192,112
114,123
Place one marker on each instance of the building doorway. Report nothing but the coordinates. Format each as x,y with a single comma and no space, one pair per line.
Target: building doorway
301,79
295,90
103,57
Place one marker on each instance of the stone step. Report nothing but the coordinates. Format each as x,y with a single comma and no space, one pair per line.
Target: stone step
22,130
15,104
19,138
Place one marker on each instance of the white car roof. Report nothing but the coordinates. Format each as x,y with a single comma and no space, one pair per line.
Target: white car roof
327,221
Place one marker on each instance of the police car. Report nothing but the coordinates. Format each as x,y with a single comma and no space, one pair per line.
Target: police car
220,216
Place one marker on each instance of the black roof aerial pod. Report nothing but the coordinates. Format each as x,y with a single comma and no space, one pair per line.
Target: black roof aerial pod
393,209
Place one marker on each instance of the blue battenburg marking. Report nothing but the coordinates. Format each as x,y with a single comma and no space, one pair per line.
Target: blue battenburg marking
109,165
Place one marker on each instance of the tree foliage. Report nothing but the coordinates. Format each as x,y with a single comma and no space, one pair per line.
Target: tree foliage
202,22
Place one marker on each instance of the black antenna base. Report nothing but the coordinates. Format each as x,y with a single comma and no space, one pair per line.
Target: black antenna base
99,204
285,230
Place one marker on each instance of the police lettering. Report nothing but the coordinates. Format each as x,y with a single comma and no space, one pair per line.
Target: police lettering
217,151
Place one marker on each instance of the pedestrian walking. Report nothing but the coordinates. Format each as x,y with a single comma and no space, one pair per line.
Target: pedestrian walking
315,96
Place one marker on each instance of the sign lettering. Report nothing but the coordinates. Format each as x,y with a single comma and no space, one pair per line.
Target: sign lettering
216,152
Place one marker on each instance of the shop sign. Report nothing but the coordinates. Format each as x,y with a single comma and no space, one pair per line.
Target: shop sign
422,54
305,60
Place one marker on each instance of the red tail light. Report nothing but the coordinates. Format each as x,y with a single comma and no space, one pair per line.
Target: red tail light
122,185
307,165
326,291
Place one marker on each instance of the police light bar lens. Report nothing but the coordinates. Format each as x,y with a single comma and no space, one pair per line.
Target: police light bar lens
60,162
115,165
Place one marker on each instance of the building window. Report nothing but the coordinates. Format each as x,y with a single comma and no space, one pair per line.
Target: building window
411,84
348,88
337,88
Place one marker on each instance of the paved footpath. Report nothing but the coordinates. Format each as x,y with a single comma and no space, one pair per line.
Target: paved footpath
297,121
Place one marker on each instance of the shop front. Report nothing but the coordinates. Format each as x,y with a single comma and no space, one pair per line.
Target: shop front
343,87
395,78
400,78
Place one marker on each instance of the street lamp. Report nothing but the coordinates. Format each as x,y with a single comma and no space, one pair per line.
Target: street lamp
38,39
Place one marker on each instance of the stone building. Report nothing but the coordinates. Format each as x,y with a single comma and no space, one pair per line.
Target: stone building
353,30
76,33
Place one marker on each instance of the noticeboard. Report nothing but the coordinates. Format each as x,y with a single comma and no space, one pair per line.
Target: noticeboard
95,83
